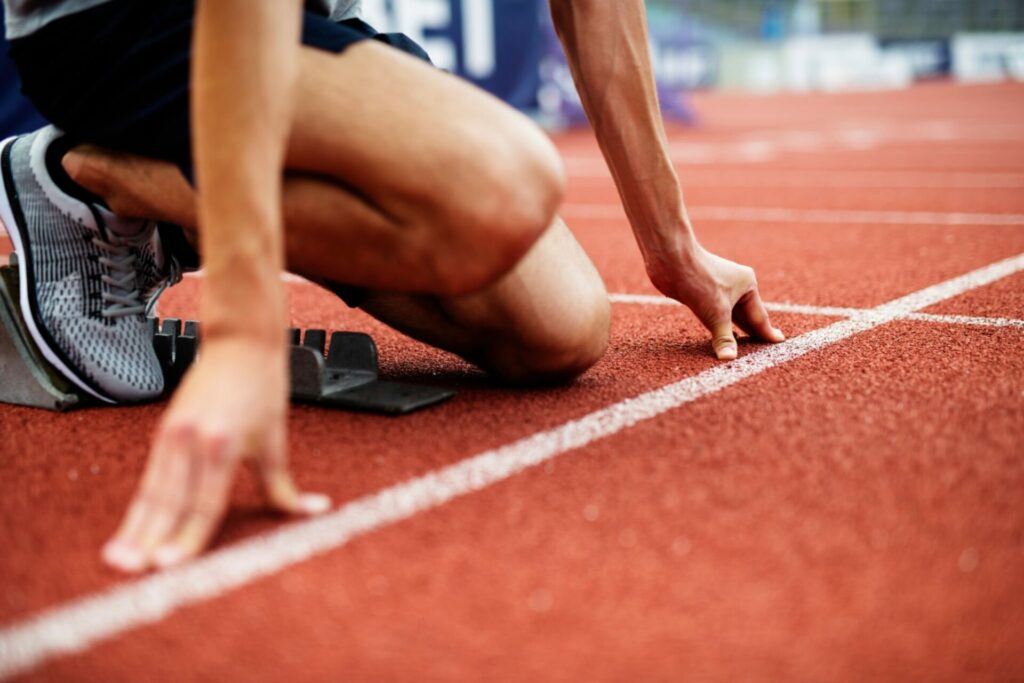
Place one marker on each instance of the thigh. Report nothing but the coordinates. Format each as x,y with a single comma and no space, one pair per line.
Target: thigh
118,74
404,134
547,319
421,146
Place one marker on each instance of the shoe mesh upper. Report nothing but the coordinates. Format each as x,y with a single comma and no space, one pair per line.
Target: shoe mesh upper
115,354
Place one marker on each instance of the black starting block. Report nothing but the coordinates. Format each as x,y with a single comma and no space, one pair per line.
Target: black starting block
347,378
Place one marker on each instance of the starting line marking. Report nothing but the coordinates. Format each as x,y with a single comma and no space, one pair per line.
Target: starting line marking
753,214
758,147
82,623
834,311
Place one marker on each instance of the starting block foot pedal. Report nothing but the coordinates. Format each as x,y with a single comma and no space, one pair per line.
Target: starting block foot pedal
26,378
175,347
348,378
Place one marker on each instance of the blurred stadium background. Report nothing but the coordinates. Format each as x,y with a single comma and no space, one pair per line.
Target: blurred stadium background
766,46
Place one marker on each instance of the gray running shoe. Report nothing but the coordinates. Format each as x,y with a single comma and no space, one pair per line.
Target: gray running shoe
156,269
81,287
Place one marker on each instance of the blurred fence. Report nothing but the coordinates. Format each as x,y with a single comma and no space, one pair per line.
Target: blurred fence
886,19
770,45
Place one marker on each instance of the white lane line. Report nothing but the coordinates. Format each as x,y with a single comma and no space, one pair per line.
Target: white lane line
812,179
656,300
758,147
753,214
82,623
965,320
834,311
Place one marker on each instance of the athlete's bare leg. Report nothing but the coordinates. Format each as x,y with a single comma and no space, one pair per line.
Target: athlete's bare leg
440,244
424,171
546,319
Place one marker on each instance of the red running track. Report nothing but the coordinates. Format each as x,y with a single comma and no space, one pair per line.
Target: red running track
850,513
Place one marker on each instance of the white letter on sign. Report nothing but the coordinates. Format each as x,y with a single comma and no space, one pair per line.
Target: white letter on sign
478,37
414,16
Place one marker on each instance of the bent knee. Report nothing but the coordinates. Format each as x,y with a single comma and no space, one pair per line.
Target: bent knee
561,356
527,188
517,182
494,219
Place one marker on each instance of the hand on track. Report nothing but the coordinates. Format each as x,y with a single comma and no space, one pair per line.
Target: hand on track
720,293
231,407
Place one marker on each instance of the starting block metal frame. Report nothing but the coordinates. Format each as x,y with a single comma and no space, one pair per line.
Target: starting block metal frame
25,377
343,374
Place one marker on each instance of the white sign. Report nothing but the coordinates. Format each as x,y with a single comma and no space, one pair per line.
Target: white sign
423,20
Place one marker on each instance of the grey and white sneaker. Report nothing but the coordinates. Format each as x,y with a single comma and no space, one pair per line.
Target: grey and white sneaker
83,274
156,269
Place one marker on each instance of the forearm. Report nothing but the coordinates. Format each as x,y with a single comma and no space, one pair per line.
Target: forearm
244,71
607,48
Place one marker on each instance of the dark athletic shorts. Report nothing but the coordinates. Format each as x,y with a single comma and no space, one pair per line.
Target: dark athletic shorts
117,75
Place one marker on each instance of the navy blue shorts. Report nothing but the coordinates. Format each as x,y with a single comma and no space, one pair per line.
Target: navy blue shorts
117,75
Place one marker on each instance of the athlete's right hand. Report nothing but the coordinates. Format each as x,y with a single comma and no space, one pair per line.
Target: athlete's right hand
720,293
231,407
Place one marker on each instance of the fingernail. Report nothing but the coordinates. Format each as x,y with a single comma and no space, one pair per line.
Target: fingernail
727,353
780,333
124,557
168,556
314,503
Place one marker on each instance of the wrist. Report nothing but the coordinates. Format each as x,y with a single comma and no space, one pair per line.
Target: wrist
672,243
267,338
244,309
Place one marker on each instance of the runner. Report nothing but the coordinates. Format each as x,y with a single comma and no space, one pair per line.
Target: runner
419,198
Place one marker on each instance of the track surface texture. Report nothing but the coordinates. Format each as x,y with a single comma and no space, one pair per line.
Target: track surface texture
847,506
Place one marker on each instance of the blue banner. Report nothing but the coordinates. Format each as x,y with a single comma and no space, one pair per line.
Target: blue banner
497,44
509,48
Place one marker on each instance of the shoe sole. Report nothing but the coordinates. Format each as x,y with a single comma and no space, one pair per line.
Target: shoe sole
47,347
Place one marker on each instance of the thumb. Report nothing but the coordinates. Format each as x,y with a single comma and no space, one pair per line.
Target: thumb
723,341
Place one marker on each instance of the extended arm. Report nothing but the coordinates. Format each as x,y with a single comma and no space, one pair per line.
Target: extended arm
232,405
607,47
243,82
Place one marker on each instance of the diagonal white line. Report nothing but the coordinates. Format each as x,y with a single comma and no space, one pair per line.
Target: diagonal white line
965,320
80,624
833,311
755,214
